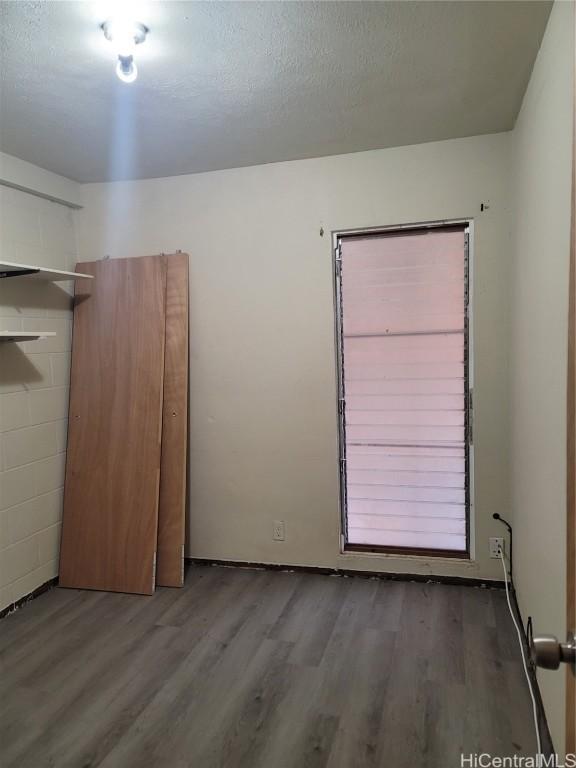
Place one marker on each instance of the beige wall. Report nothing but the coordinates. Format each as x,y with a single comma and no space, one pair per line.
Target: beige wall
541,227
263,415
34,380
263,421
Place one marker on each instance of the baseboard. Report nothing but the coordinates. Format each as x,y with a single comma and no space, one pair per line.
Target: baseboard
31,596
347,572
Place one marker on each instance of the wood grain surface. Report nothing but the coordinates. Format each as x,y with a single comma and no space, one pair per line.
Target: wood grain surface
173,467
109,533
262,669
571,456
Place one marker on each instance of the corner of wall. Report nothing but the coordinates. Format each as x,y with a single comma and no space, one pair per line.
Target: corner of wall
34,375
540,241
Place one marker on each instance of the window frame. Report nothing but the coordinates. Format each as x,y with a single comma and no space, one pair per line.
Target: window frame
337,237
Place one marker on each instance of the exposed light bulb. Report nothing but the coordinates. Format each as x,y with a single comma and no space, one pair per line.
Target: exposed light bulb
122,36
126,69
125,34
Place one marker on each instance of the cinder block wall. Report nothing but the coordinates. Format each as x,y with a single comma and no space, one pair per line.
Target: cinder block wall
34,380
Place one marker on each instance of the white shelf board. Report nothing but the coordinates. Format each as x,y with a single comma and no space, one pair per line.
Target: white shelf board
25,335
39,273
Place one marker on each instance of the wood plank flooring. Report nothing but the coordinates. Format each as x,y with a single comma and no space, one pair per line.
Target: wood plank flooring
247,669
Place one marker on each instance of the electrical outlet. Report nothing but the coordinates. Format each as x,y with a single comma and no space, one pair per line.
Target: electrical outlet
279,531
496,545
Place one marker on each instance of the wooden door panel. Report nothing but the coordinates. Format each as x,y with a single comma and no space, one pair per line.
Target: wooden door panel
571,456
109,533
171,514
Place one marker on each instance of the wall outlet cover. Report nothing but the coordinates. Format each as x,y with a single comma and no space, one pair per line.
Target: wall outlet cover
279,530
496,545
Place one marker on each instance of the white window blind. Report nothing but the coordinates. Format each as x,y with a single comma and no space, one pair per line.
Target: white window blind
404,386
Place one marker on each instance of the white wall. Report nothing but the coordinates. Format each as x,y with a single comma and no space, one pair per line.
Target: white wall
19,174
34,380
541,230
263,413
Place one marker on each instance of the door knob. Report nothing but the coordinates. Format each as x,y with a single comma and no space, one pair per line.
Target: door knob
549,653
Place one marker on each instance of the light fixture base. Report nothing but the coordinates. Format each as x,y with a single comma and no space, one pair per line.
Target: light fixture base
126,69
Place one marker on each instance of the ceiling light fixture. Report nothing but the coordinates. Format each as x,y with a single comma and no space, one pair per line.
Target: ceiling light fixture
126,69
125,35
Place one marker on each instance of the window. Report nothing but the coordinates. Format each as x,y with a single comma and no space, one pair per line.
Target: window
403,370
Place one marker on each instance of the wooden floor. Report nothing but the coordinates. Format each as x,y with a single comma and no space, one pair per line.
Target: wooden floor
262,668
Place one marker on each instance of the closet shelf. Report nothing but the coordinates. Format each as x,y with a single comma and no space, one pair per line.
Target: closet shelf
25,335
9,269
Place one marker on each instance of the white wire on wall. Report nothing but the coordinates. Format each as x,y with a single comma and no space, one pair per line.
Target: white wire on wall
524,662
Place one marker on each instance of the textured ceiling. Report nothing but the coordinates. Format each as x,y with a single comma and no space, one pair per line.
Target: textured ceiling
227,84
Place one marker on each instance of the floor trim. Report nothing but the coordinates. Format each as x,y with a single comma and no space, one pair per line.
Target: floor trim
385,575
30,596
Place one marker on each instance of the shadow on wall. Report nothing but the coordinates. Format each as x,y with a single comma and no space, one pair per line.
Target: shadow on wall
27,298
16,367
